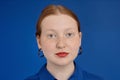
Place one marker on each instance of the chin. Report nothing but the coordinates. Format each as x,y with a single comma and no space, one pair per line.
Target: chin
63,63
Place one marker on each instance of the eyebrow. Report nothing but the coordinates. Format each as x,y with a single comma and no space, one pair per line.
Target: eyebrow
69,29
51,30
55,30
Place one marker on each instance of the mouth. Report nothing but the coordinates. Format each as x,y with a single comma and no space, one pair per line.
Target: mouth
62,54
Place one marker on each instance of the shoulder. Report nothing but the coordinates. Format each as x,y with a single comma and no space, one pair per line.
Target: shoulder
37,75
87,75
33,77
90,76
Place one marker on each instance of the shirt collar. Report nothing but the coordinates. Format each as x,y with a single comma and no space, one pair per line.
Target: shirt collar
77,74
44,74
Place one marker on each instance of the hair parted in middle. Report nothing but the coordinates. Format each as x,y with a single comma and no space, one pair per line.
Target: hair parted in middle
55,10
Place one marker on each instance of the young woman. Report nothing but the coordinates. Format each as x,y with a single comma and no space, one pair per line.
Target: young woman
59,38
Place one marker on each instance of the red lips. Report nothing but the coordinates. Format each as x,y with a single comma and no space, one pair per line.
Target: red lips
62,54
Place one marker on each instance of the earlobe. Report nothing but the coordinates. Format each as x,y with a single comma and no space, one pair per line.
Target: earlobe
38,41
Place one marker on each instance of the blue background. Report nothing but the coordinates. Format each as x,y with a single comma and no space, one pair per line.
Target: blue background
100,24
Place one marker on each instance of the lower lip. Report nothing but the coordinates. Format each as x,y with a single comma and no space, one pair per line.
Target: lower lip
62,55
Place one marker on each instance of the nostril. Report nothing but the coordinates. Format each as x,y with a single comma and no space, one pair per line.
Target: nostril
60,47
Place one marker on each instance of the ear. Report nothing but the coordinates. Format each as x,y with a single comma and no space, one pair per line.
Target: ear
38,41
80,35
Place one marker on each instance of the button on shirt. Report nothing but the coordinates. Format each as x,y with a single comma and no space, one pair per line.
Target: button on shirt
78,74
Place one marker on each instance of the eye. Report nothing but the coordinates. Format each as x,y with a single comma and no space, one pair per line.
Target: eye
51,36
69,35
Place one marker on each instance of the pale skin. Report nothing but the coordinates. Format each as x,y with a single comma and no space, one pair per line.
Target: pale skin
59,33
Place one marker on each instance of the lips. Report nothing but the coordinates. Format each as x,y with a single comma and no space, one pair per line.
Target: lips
62,54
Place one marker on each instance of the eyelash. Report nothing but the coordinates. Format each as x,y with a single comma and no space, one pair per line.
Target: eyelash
68,35
51,35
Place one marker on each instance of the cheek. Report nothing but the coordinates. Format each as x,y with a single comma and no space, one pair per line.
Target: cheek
47,46
74,45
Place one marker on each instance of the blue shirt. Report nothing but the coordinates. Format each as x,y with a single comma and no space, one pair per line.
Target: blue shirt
78,74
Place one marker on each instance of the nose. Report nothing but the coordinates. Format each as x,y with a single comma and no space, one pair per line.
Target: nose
60,43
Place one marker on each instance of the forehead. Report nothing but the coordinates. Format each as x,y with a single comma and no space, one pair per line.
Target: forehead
58,22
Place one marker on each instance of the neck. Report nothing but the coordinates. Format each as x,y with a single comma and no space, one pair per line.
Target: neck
61,72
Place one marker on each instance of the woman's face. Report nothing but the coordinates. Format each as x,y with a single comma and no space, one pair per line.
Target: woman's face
60,39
